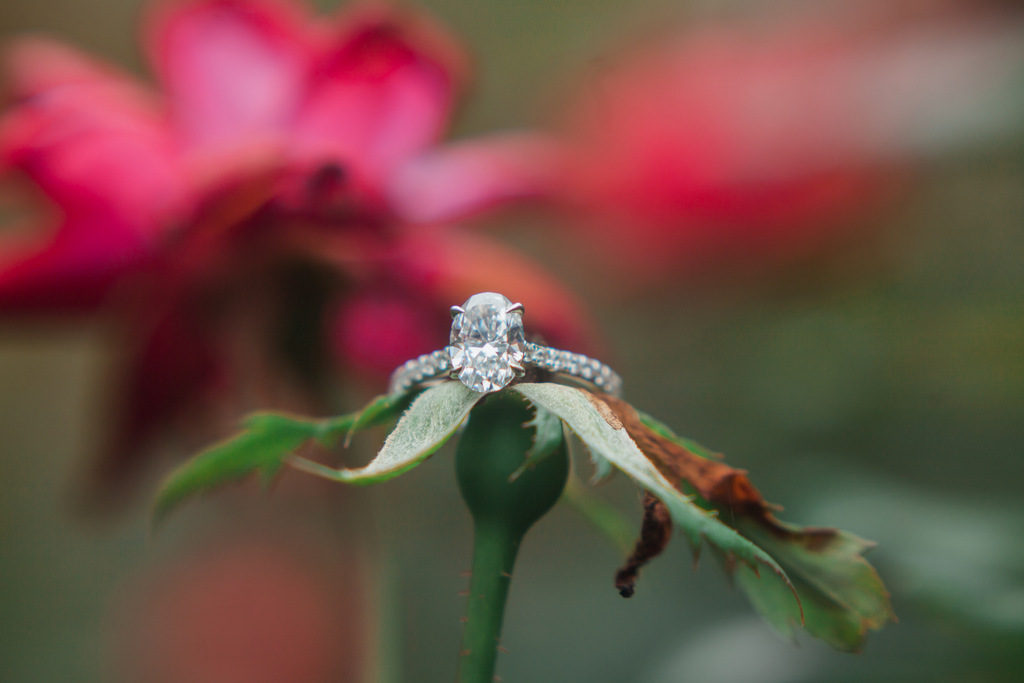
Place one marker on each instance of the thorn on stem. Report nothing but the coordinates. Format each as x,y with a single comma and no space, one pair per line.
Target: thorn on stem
730,563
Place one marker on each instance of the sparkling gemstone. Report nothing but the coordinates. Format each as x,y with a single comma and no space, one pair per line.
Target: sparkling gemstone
487,342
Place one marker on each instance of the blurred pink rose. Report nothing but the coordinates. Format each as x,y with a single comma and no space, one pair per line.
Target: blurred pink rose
762,140
247,610
259,219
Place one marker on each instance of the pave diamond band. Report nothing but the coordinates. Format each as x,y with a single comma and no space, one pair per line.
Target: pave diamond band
575,365
488,351
420,370
438,365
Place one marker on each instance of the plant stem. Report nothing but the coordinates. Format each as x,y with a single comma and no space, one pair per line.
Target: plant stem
494,554
493,448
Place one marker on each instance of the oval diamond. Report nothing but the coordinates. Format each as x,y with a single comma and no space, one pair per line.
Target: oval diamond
487,342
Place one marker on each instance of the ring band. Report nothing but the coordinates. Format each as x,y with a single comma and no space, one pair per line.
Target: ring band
488,351
437,365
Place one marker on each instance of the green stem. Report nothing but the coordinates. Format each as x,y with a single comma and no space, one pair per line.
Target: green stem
494,554
493,448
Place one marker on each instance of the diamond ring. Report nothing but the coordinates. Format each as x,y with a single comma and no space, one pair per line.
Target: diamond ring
488,349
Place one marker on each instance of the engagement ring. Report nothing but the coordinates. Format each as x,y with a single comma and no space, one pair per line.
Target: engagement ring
488,349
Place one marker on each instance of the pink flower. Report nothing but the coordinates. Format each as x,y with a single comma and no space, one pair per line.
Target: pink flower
268,607
265,216
761,141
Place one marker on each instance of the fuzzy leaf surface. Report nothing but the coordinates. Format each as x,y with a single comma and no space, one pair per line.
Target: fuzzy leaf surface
428,423
597,427
380,410
547,439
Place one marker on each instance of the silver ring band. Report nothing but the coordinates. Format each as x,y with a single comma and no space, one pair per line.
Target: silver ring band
438,365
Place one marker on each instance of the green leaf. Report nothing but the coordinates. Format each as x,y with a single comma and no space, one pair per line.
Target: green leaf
601,515
379,411
547,439
266,441
602,468
598,428
428,423
662,429
842,595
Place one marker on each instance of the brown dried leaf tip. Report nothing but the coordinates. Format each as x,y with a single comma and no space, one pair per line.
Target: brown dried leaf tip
724,487
828,573
655,532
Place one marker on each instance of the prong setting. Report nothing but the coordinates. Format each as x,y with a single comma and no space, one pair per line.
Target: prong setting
488,351
486,342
